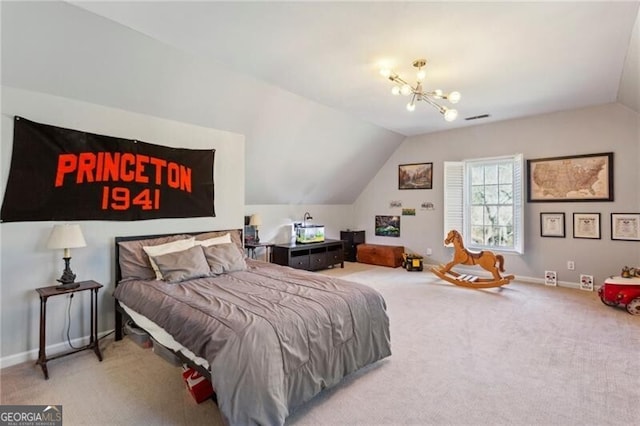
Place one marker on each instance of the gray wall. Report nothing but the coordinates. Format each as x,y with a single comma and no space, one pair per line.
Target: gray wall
592,130
25,262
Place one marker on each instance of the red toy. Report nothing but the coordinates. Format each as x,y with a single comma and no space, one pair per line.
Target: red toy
621,291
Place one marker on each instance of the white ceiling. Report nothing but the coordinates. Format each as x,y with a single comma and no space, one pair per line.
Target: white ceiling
508,59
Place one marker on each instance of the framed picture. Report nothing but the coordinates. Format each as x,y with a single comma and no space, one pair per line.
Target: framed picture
552,225
625,226
586,225
388,226
415,176
574,178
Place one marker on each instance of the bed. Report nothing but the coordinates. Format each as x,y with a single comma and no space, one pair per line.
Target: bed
269,337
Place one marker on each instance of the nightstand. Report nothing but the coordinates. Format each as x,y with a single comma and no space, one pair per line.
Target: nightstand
251,250
45,293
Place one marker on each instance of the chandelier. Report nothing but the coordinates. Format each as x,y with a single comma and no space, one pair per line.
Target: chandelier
417,92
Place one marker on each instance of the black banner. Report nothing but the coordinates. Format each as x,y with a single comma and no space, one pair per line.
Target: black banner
63,174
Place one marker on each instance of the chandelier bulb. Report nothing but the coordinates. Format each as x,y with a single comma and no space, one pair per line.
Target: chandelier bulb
420,76
395,90
405,89
454,97
385,72
411,106
437,93
450,114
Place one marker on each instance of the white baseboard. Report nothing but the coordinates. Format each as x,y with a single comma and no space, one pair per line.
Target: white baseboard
32,355
523,278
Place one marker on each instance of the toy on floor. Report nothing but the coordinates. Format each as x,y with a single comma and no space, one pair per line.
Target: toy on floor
412,261
621,291
486,259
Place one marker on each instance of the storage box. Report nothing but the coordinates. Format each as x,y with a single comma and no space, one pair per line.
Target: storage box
165,353
199,387
377,254
138,335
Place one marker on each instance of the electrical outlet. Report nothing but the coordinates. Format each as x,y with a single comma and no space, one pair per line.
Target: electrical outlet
550,278
586,282
429,252
571,265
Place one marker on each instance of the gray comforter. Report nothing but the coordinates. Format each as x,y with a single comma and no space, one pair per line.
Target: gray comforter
273,336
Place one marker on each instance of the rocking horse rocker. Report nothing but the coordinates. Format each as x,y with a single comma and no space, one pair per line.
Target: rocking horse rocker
486,259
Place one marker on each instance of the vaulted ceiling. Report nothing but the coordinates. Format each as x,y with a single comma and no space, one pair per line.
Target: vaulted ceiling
508,59
301,79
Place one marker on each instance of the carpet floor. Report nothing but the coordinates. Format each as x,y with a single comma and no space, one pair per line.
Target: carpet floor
523,354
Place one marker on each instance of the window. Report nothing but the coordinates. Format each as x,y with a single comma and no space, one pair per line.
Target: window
484,202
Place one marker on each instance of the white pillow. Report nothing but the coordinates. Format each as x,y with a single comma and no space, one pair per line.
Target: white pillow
171,247
225,239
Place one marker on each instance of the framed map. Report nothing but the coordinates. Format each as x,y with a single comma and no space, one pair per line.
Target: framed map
573,178
625,226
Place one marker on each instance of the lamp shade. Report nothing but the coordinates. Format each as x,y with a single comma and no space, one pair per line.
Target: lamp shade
65,237
255,220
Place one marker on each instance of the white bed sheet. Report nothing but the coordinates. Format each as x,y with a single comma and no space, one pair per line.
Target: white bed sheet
162,337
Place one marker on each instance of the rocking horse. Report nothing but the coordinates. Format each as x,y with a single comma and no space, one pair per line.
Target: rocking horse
486,259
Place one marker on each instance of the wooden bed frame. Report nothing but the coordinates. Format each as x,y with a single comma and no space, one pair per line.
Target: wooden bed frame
120,313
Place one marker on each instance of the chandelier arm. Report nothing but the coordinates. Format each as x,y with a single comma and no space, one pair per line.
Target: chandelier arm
428,100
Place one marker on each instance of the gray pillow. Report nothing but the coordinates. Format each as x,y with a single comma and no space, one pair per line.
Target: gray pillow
183,265
224,258
134,262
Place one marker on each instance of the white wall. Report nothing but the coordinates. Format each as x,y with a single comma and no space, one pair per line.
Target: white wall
25,262
297,151
278,219
592,130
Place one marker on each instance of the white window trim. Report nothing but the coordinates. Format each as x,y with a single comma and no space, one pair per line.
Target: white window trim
457,206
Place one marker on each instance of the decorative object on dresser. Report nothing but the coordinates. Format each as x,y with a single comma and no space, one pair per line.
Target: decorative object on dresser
310,256
351,240
378,254
66,237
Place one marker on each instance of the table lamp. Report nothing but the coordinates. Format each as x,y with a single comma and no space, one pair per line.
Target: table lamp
66,237
256,221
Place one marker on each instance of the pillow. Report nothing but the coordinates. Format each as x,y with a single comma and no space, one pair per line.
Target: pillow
224,258
236,237
183,265
224,239
153,251
134,262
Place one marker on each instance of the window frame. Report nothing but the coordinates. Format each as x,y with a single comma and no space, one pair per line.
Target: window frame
457,204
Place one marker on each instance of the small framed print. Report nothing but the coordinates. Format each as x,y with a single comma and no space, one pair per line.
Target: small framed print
586,225
625,226
552,225
415,176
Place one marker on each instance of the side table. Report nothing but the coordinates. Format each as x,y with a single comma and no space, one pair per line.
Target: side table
45,293
251,250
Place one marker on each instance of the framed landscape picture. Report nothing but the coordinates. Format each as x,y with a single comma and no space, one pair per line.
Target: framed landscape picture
552,225
415,176
388,226
586,225
573,178
625,226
